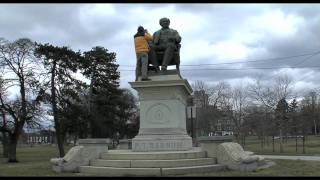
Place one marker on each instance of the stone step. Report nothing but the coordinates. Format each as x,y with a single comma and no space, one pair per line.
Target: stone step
113,171
160,155
193,169
153,163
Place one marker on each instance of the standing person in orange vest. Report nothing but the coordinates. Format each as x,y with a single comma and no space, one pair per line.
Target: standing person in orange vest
141,39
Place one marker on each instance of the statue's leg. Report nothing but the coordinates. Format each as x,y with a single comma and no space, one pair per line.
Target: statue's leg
177,62
153,58
168,54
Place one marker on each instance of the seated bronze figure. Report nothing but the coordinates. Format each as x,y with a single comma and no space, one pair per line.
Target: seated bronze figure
165,47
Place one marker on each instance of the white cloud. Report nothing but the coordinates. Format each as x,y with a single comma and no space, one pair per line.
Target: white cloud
220,52
230,50
274,23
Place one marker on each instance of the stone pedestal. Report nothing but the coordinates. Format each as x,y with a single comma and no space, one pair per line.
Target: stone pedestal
163,102
124,144
210,144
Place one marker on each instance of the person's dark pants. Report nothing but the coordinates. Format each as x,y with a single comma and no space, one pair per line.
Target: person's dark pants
142,65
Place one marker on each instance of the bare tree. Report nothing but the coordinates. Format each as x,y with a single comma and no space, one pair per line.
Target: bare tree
270,94
201,93
238,102
305,119
219,94
216,95
211,102
283,86
3,123
19,71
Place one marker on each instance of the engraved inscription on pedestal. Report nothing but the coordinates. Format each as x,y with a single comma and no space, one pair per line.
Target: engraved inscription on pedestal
162,144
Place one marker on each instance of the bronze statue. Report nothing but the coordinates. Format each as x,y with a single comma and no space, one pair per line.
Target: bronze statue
165,46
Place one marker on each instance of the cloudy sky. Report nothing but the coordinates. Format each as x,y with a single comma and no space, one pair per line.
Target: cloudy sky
220,42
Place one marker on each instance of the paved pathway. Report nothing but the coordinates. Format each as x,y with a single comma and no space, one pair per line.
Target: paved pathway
307,158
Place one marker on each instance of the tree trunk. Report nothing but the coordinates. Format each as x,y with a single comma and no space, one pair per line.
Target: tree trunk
272,143
59,141
261,142
315,127
75,137
12,153
296,143
303,144
281,139
90,110
4,145
55,112
4,136
238,137
286,138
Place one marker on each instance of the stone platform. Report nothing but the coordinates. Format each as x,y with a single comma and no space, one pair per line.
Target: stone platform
129,163
163,102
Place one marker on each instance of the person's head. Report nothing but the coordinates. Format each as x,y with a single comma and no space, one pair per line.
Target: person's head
164,22
140,29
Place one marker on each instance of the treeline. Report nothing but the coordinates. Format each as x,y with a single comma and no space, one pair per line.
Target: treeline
47,84
264,108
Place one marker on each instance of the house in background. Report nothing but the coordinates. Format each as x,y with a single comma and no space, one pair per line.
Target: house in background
208,120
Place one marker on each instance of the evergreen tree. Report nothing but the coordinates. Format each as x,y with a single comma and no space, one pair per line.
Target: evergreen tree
294,119
61,63
281,119
99,66
126,122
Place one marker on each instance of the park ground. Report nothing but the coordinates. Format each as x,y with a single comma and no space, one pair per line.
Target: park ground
312,146
35,160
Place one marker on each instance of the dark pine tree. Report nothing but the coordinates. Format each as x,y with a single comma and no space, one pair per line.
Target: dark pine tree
60,63
100,67
281,119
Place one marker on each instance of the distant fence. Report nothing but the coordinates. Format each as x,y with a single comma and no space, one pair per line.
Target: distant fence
40,140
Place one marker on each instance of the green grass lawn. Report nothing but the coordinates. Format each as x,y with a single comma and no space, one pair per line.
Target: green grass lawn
282,168
312,146
35,161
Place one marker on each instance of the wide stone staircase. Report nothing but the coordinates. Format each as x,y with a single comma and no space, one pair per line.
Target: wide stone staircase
162,163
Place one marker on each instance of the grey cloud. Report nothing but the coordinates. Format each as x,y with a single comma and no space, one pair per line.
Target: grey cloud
193,7
21,18
305,10
224,18
61,24
56,23
146,6
305,41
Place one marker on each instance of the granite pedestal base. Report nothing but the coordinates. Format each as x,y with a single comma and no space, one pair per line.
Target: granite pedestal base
163,102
